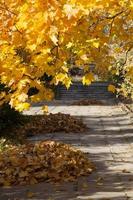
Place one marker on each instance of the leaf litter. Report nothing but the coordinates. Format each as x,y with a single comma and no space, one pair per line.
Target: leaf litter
42,161
87,102
52,123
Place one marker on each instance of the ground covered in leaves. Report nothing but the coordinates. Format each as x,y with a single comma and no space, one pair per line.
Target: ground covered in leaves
52,123
16,134
87,102
42,161
23,163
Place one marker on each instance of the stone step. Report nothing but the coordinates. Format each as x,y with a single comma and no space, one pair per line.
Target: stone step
84,93
97,90
90,94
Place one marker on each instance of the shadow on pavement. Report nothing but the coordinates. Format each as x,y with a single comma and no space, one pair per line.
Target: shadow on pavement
107,144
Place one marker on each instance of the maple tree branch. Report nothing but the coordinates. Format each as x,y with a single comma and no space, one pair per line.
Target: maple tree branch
18,30
111,25
27,75
116,15
7,9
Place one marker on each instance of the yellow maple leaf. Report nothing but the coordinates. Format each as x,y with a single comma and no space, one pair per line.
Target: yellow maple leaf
84,57
69,10
112,88
131,5
69,45
88,79
30,194
22,106
67,82
60,77
96,44
53,34
45,109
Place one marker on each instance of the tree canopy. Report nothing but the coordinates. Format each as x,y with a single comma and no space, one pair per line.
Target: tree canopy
40,37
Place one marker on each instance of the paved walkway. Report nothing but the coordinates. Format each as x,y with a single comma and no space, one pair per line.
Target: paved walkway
108,143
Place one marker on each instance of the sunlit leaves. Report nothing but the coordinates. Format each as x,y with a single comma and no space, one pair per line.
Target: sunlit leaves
70,10
111,88
48,160
54,34
94,42
40,37
21,106
88,79
45,109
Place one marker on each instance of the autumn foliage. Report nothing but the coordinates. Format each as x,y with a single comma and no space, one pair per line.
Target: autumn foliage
43,161
40,37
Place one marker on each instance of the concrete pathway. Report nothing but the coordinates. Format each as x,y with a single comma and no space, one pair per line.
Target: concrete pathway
108,143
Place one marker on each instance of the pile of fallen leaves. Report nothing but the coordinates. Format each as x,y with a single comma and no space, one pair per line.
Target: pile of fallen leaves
87,102
52,123
42,161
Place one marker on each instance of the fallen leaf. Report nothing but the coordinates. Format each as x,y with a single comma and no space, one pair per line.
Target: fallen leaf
125,171
85,185
30,194
87,102
45,109
112,88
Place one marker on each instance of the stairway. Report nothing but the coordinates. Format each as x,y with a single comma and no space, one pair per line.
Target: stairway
97,90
